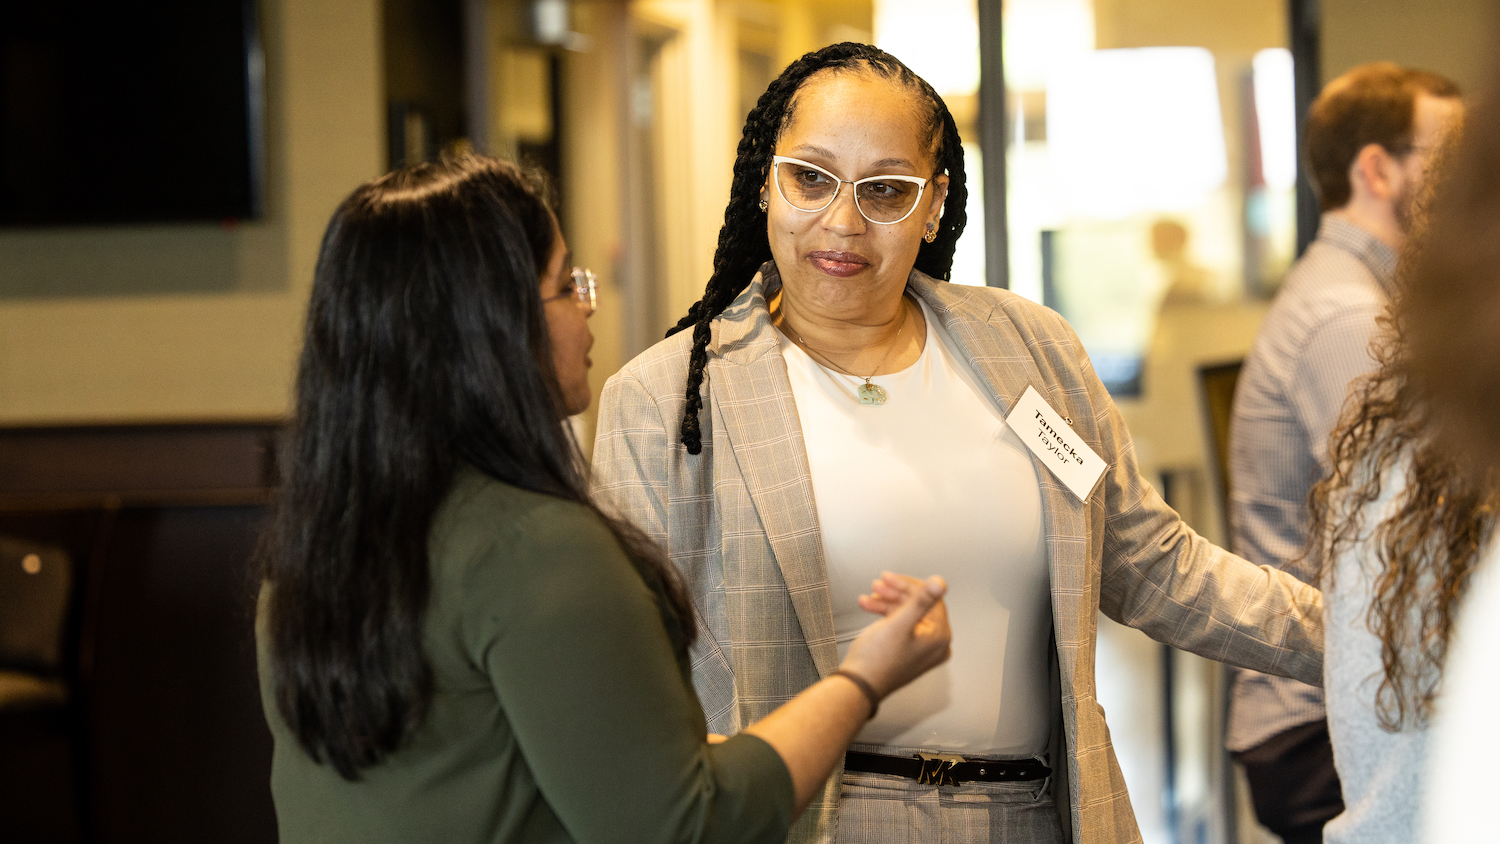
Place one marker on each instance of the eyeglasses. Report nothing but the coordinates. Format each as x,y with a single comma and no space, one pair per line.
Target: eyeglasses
583,289
880,199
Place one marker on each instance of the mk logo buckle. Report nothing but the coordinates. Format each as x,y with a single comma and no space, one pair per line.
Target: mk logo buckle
937,768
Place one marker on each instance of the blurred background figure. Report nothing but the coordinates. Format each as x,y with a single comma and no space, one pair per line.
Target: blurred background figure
1186,282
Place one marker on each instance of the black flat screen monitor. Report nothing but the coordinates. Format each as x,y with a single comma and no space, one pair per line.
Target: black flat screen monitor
129,111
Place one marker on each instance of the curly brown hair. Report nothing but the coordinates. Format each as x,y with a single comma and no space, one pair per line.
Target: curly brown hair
1428,547
1453,304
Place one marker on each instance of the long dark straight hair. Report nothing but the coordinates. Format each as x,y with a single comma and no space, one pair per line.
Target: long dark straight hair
426,348
743,242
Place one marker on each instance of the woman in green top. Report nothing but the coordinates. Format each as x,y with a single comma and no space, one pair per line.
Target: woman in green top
455,644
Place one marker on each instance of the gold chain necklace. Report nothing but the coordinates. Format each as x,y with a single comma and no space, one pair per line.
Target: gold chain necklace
872,394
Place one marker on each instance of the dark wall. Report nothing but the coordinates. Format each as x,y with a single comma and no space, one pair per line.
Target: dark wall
424,72
164,738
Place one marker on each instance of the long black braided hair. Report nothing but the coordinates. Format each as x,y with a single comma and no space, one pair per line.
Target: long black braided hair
743,243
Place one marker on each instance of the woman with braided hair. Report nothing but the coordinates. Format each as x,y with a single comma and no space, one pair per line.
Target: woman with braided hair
838,410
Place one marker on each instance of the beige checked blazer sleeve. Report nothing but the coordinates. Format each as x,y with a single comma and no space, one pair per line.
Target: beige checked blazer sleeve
740,523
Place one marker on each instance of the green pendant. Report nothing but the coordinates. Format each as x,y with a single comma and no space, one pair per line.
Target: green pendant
871,394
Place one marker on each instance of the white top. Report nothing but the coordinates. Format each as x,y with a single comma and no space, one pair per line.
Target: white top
935,482
1462,777
1381,772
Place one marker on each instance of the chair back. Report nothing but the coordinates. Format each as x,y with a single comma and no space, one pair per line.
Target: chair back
35,581
1216,383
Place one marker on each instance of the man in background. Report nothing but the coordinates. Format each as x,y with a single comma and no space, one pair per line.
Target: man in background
1369,137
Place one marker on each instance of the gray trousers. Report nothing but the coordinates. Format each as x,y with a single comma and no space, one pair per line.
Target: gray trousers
881,809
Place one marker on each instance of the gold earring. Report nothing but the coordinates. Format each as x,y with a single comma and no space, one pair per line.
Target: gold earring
764,205
931,233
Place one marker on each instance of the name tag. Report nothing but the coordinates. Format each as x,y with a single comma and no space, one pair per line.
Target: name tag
1052,440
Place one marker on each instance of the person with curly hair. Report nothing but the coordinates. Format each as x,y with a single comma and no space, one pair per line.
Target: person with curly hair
832,408
1396,529
1448,317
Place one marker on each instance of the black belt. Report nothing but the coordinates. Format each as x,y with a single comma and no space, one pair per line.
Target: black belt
943,769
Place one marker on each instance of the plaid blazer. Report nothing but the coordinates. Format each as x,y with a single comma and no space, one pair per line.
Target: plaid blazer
740,523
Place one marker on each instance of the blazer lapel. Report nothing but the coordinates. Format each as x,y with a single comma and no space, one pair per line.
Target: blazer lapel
995,349
753,396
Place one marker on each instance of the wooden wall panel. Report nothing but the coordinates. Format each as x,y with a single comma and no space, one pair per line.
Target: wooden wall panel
168,741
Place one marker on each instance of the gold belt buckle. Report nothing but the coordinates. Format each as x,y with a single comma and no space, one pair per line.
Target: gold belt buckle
937,768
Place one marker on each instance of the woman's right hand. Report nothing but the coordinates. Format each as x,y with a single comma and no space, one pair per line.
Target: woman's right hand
812,730
912,638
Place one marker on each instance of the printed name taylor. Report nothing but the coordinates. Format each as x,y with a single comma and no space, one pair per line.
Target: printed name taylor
1061,448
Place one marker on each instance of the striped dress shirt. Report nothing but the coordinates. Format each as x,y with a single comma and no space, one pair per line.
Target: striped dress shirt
1314,342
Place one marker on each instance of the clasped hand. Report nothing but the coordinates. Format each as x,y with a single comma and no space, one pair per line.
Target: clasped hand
912,637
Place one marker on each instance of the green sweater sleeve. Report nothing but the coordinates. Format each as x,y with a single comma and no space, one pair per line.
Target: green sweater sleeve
601,711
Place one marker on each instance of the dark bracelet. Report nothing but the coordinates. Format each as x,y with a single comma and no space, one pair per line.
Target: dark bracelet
864,686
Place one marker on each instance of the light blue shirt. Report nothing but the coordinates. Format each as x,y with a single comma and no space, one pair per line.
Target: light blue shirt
1314,341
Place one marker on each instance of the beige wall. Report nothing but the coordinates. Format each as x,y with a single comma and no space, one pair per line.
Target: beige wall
203,321
1453,37
179,322
593,156
176,322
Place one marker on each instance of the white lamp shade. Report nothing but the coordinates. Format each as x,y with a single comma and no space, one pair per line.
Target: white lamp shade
1136,130
937,39
1276,115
